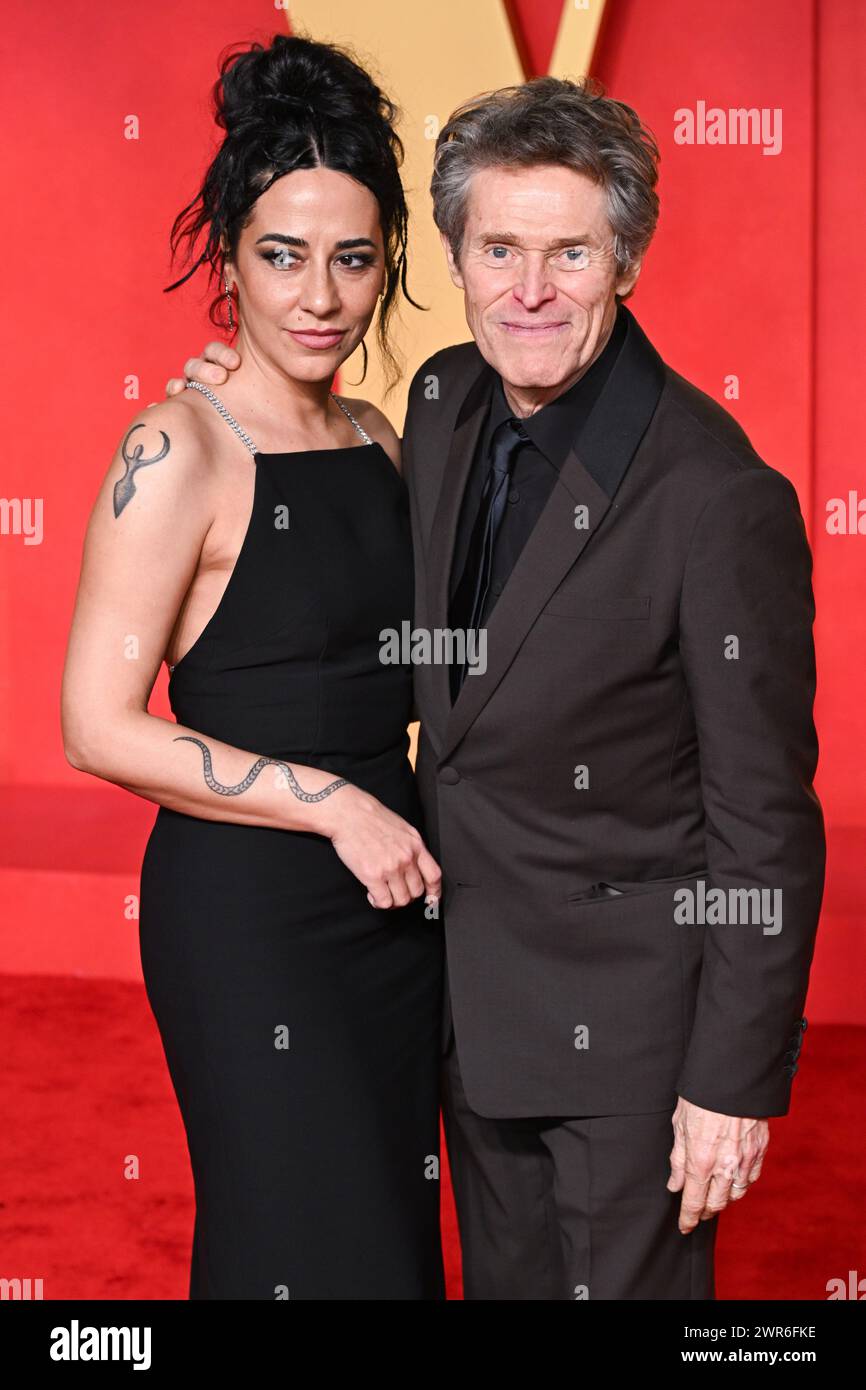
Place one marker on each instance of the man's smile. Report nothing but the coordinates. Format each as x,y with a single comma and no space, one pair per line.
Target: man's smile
524,330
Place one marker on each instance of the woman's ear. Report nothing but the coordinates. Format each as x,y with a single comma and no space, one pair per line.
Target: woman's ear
226,259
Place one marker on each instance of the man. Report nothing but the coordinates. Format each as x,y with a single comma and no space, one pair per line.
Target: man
621,797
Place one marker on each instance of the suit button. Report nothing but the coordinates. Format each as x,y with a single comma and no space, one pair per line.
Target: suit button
804,1023
793,1069
449,775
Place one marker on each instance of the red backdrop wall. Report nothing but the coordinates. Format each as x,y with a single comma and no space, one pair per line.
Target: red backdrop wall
756,272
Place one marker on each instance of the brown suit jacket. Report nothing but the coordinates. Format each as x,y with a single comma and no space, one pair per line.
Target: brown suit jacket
644,726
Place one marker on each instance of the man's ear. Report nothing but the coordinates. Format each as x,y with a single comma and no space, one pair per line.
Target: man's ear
453,267
626,283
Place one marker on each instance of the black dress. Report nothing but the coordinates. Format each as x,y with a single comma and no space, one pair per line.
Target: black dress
301,1026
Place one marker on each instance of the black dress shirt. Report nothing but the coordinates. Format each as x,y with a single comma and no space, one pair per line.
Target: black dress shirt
552,432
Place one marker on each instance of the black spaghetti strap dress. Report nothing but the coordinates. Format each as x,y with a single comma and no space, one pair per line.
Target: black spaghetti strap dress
301,1026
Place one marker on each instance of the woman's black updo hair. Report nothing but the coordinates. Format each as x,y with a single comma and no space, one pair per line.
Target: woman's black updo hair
297,104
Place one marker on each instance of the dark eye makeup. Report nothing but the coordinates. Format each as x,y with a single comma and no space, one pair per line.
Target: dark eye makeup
361,259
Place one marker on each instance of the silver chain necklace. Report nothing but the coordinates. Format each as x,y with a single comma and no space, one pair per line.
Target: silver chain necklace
242,434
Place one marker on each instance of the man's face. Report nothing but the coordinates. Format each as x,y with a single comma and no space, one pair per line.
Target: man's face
539,276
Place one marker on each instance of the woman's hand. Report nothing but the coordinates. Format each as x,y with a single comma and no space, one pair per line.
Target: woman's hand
381,849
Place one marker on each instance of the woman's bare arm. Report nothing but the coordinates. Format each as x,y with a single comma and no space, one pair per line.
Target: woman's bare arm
146,533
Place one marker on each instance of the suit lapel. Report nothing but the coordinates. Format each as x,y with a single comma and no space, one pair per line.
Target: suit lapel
443,532
555,544
577,506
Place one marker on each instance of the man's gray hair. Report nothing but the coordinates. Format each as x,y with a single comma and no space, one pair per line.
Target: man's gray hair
552,121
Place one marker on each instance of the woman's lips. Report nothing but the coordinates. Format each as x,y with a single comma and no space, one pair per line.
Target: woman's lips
311,339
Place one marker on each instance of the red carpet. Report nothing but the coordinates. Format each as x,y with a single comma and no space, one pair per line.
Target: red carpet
86,1083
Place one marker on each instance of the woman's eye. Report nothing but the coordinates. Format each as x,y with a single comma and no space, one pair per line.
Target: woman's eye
286,259
576,257
282,258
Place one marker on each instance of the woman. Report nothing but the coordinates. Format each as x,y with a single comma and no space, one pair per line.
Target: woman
259,543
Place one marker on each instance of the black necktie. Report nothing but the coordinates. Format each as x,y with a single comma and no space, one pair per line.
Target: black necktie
470,596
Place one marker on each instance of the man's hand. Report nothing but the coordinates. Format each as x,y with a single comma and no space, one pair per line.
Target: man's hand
211,369
714,1160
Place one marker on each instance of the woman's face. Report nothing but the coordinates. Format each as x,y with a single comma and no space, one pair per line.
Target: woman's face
309,268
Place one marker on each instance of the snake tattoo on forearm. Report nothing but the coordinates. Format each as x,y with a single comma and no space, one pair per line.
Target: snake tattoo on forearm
260,763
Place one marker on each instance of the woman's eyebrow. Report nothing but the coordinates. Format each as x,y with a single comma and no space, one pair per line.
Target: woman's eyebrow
285,240
281,236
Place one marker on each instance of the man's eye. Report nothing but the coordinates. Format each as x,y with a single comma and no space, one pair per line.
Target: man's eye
498,253
576,257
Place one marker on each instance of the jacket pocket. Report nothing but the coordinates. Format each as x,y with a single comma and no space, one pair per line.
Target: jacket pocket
606,890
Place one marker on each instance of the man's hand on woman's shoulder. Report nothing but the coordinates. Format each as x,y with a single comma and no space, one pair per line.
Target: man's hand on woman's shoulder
211,369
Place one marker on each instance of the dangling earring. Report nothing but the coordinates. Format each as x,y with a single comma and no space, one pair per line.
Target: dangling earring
229,302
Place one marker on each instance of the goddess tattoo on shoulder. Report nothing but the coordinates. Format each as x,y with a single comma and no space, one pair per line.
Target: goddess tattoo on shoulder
124,488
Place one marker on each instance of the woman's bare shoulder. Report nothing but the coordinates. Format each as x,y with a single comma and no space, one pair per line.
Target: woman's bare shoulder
166,458
177,425
377,425
184,435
